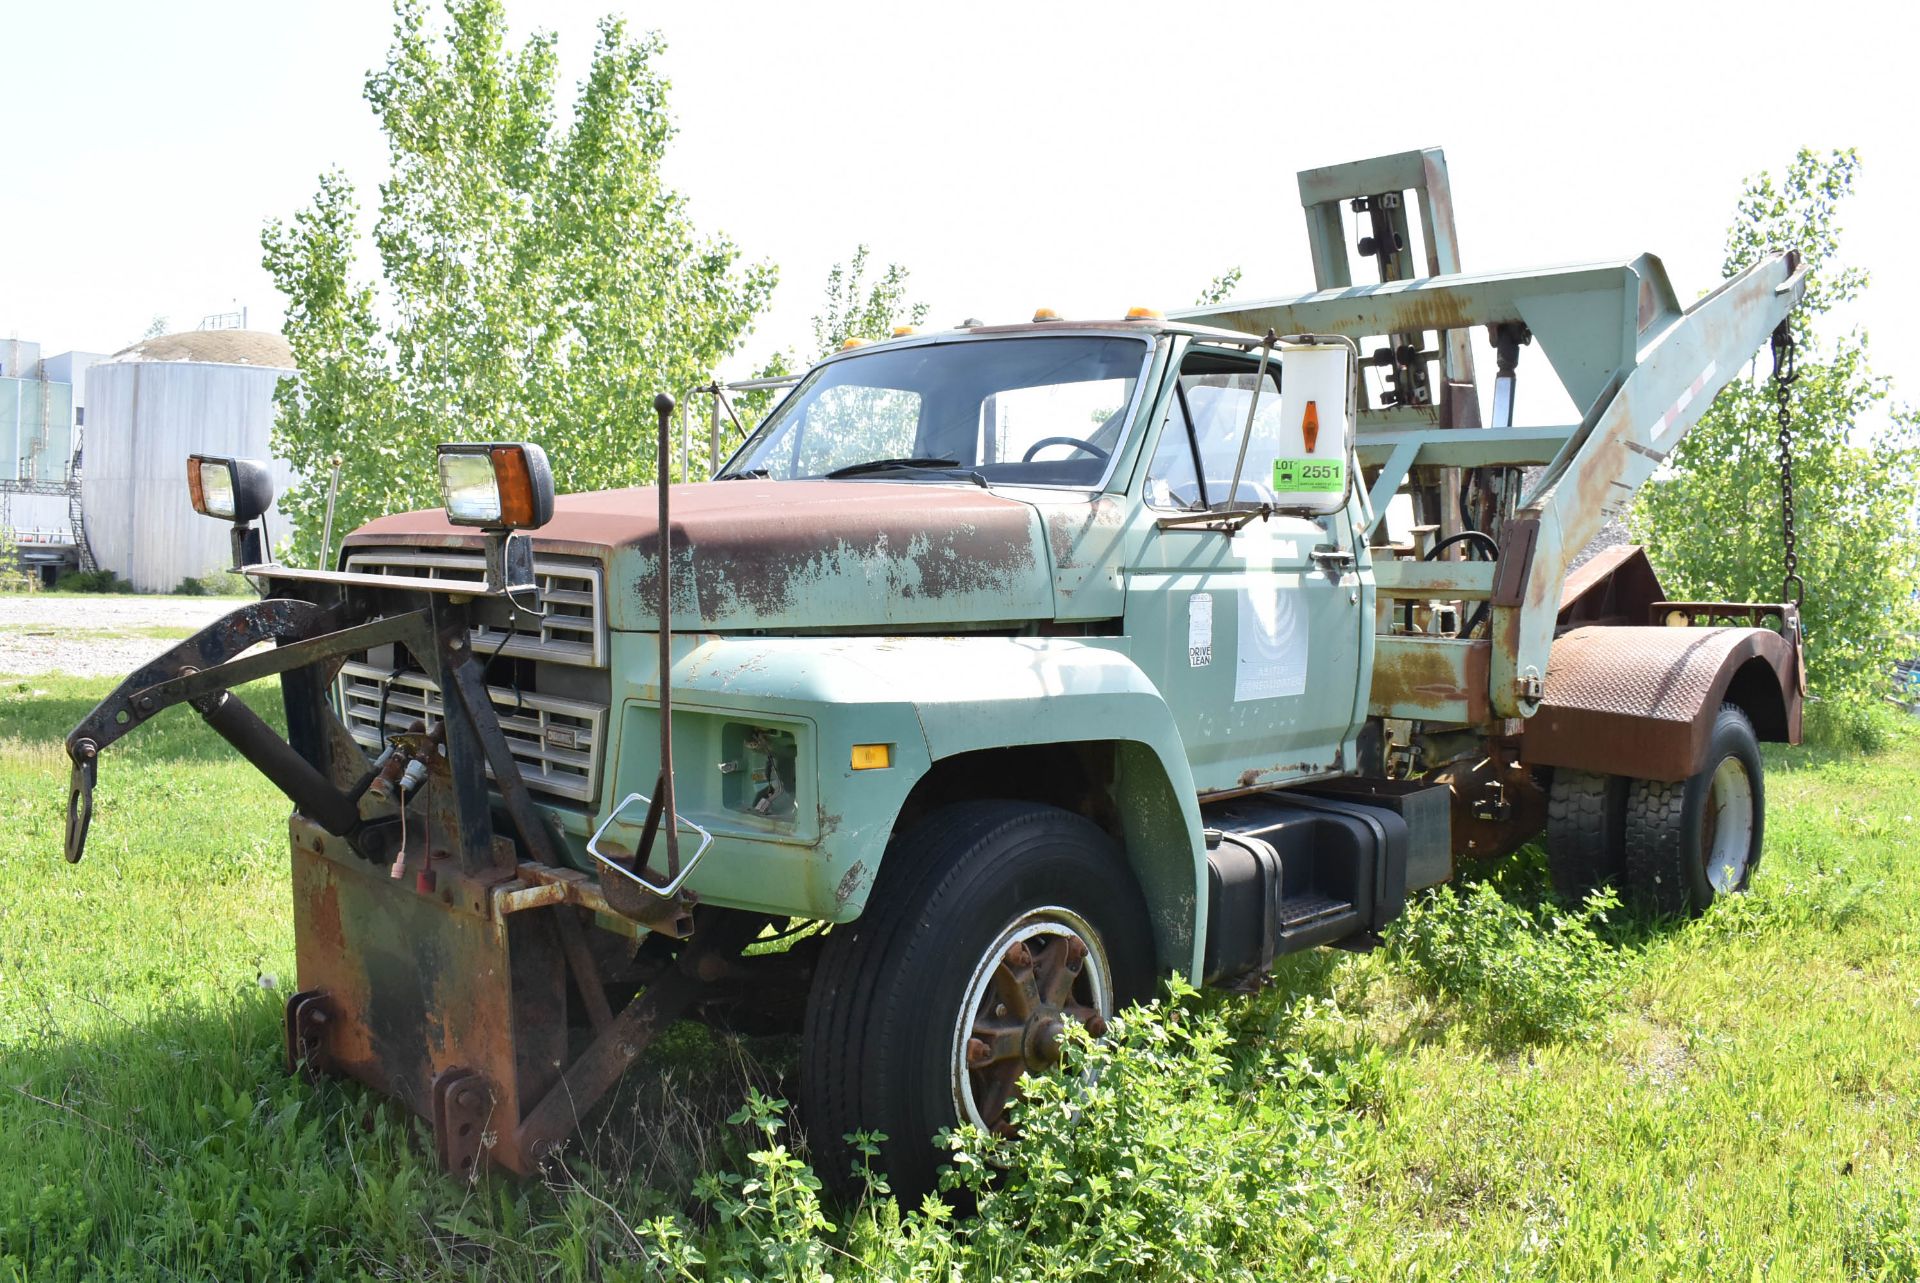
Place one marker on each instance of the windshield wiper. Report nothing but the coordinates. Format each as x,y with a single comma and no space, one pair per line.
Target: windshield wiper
745,474
889,465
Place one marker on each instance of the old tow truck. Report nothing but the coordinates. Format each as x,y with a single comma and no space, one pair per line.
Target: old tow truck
1036,660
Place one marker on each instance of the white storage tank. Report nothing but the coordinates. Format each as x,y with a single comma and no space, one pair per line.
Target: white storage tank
148,408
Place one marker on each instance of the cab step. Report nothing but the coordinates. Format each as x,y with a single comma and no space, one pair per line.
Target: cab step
1306,910
1287,872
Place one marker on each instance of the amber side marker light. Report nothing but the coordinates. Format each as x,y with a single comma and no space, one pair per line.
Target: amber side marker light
872,757
1310,425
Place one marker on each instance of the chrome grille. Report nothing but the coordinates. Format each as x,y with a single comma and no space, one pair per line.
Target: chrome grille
556,738
574,630
556,741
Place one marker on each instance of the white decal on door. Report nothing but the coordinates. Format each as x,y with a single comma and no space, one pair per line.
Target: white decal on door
1273,643
1199,630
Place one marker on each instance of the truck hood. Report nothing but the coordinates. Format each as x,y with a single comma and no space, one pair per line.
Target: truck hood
786,555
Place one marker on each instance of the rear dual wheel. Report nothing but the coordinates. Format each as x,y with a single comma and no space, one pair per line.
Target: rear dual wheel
993,926
1691,842
1672,847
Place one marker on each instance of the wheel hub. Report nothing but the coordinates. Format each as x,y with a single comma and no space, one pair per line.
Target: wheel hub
1043,971
1726,826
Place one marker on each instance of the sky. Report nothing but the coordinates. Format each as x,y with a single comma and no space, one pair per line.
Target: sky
1084,157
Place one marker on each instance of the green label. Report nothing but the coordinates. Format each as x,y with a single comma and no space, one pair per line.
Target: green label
1298,476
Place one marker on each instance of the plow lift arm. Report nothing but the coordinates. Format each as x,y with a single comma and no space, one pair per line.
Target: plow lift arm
1640,368
447,989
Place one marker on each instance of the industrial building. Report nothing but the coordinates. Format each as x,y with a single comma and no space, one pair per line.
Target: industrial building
149,407
42,410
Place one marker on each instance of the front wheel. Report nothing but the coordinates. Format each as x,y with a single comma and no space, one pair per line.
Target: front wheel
1690,842
992,926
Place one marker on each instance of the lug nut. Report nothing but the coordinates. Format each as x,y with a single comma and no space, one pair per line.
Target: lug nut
979,1055
1019,956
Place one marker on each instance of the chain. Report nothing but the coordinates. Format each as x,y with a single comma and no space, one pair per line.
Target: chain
1784,375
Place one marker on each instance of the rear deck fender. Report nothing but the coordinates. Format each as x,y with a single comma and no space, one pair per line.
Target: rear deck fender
1638,701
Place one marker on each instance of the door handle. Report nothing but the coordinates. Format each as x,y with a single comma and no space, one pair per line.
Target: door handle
1335,561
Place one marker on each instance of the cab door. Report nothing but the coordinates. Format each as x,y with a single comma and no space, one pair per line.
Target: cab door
1255,635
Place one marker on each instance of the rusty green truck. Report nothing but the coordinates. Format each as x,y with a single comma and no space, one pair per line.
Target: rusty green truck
997,673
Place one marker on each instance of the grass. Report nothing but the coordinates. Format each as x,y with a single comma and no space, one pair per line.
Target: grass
1513,1088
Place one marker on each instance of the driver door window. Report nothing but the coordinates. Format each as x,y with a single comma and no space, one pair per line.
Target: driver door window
1206,420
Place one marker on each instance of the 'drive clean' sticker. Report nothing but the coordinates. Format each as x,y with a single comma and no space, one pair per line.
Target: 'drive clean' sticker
1297,476
1200,630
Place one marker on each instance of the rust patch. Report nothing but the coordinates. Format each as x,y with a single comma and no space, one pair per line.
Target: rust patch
1496,805
752,546
850,883
1447,680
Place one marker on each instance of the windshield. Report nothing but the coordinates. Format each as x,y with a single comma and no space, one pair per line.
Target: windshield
1040,410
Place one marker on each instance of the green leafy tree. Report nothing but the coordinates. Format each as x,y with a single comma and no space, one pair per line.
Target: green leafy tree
537,282
856,308
853,308
1713,527
1219,289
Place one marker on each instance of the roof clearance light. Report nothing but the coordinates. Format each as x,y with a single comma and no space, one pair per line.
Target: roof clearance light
229,488
851,344
506,486
901,331
1145,314
1310,425
1045,314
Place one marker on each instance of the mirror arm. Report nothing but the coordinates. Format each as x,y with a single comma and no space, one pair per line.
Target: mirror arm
1253,406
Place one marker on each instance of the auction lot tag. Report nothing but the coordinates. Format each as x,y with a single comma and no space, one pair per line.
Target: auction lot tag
1309,476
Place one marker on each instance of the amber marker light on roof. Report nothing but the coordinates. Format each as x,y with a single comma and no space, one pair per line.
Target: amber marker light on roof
851,344
902,331
1144,314
1045,314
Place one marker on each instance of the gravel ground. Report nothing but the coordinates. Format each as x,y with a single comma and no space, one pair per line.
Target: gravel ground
101,636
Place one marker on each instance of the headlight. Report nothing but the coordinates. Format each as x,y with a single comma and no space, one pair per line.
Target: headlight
501,487
229,488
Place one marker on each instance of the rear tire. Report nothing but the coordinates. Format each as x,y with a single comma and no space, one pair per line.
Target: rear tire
976,896
1690,842
1586,832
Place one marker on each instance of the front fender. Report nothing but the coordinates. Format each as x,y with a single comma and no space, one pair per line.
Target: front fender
930,698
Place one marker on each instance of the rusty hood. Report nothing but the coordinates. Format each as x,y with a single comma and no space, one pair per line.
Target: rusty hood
826,555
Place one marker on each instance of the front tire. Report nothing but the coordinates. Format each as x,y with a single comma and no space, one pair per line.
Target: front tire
992,924
1688,843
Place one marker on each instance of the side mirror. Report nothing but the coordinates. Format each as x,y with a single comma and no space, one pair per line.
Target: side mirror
1311,466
